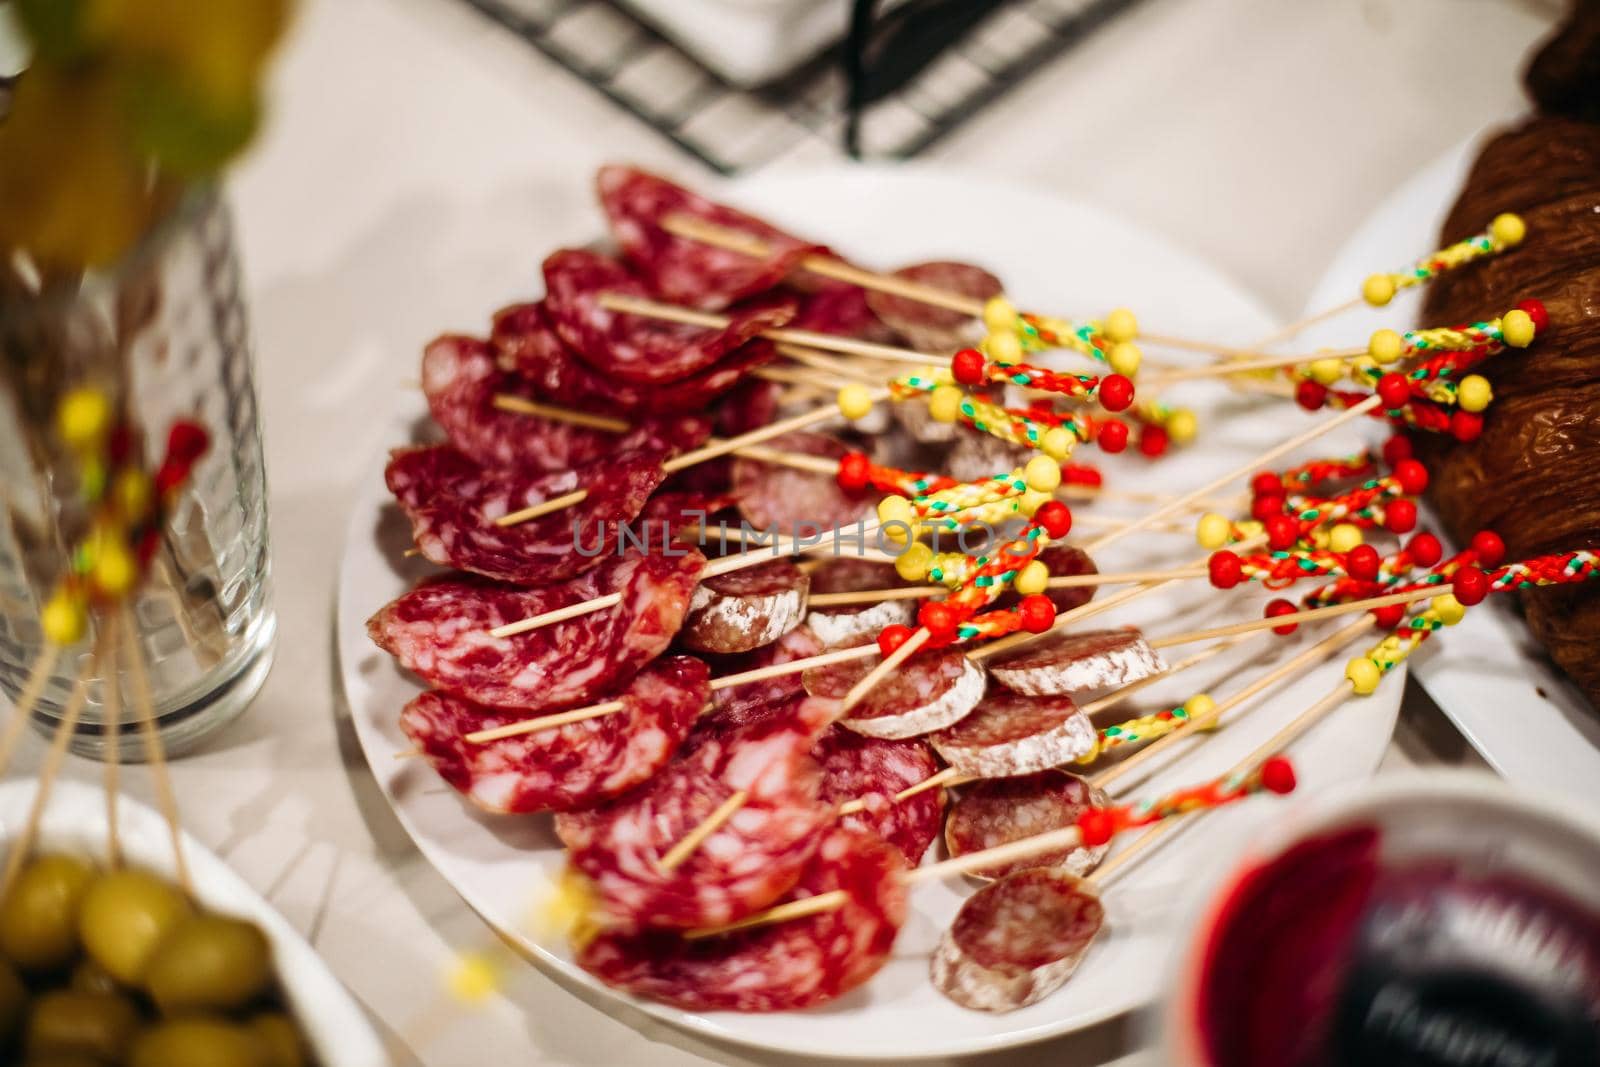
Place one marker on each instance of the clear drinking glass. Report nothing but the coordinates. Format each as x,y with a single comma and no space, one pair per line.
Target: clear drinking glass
165,335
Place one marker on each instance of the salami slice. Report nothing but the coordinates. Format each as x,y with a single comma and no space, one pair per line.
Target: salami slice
842,624
782,966
439,631
997,811
684,271
1017,941
874,769
672,513
744,865
929,691
750,405
573,766
842,310
746,609
981,455
1070,663
774,497
452,503
1066,561
635,348
1011,734
738,705
929,328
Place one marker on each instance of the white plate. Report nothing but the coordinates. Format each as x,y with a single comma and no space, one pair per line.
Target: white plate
75,822
1491,677
1054,254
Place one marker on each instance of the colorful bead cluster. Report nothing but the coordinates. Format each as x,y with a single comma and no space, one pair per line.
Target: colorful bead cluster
1099,825
1506,231
1149,727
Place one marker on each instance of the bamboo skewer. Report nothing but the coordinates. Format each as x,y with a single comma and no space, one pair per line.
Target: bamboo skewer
1069,581
1301,325
111,716
1222,370
144,709
23,844
32,690
685,848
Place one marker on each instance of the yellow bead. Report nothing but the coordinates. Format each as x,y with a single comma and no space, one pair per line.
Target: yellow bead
1249,528
999,315
1120,325
1182,426
912,564
1363,674
1125,358
1474,393
115,572
1033,578
1517,328
1508,230
1003,347
895,508
1032,500
1344,536
855,401
1042,474
1386,346
1378,290
944,403
1212,532
1448,608
1326,371
132,492
474,978
63,619
1200,704
1058,443
83,419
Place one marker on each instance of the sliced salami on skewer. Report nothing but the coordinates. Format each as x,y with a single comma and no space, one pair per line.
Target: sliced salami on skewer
440,631
873,770
745,609
738,705
1001,810
1017,940
925,326
1070,663
578,765
930,691
1011,734
843,624
778,967
775,497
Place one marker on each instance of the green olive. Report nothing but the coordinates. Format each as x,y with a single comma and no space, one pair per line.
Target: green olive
125,916
197,1042
90,1024
39,917
13,1004
209,963
89,977
280,1039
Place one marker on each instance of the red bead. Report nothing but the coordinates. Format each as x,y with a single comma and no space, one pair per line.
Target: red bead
1389,615
1095,825
968,366
1278,607
1488,547
1055,517
1363,563
937,617
1394,390
1471,586
1224,569
1400,516
1081,474
1310,395
1116,392
1466,425
170,477
1153,441
1282,532
854,468
892,637
1425,549
1265,506
1277,775
1536,311
1266,483
1411,476
1395,449
1113,436
187,442
1037,612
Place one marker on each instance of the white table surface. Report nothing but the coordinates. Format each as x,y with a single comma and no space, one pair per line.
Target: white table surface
415,148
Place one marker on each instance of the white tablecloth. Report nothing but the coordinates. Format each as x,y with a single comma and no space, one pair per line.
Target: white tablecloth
415,150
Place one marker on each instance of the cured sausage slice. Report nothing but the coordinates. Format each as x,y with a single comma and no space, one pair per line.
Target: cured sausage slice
573,766
1010,734
744,865
783,966
637,349
452,503
682,270
1001,810
745,609
737,705
1071,663
843,624
874,769
1017,940
440,631
774,497
927,327
931,690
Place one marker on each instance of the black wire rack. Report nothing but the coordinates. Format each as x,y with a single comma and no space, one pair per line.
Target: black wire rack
803,114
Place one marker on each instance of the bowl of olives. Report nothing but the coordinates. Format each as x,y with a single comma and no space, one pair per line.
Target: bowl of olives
104,966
